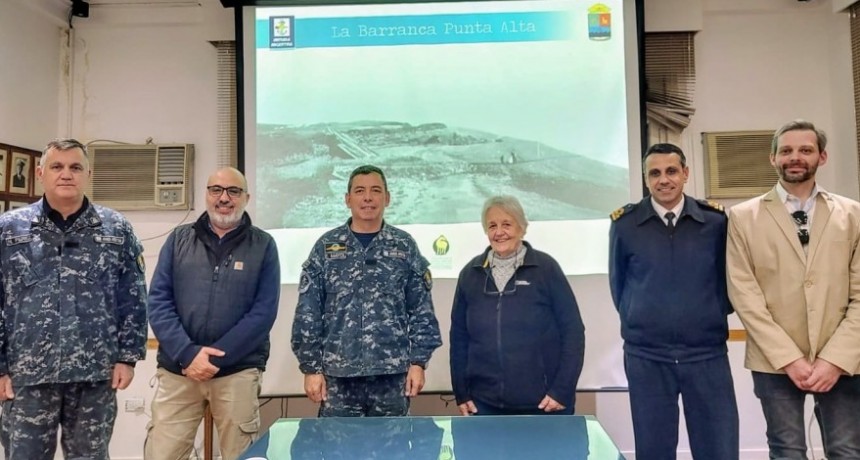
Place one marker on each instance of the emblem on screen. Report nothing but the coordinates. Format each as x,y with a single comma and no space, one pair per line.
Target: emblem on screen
281,32
599,22
440,246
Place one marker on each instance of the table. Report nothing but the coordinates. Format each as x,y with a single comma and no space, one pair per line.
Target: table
436,438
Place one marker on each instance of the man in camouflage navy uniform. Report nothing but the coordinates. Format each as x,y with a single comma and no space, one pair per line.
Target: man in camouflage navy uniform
667,275
73,322
364,327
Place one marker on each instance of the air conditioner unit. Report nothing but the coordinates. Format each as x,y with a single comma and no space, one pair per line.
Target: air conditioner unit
737,163
142,177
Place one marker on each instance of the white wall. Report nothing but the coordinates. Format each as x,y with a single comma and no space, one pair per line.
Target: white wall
29,72
673,15
134,72
149,71
841,5
758,65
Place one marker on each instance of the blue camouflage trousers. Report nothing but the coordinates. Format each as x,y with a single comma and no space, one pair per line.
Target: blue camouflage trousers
372,396
86,412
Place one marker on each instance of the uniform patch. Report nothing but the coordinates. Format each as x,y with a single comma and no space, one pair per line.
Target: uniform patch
428,280
621,211
141,264
238,265
335,250
713,205
304,282
107,239
396,253
21,239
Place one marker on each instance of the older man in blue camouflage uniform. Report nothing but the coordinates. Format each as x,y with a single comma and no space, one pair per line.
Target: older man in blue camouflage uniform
364,327
73,322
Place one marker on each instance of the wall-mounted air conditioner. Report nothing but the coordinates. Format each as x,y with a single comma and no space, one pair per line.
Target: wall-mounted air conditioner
142,177
737,164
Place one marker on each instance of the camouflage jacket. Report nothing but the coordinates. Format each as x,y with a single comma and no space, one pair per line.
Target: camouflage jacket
73,302
364,311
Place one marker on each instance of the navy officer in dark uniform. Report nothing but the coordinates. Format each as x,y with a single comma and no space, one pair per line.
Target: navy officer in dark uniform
667,274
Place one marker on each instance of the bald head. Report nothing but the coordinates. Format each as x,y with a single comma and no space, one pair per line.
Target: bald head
228,173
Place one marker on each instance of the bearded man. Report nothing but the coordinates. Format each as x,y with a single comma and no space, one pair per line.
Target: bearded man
212,302
793,276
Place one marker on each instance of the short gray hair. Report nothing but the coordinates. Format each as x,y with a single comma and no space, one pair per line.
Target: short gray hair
62,145
508,204
799,125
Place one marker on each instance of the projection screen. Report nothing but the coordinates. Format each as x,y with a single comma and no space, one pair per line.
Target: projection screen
456,102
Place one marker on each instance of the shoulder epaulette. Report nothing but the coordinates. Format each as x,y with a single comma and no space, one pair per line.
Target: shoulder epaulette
711,205
621,211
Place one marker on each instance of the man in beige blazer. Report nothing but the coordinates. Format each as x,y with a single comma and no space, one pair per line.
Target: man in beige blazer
794,279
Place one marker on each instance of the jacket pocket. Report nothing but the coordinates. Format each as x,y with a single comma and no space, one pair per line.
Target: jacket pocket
29,274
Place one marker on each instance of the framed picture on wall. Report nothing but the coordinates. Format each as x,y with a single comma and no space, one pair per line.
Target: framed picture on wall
38,190
20,174
4,170
17,204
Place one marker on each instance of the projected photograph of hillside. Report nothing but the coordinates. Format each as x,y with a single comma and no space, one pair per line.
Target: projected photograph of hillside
436,174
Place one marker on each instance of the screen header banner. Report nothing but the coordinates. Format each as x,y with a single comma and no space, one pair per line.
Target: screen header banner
290,32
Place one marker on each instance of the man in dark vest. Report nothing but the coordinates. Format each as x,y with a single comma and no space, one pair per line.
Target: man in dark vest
213,300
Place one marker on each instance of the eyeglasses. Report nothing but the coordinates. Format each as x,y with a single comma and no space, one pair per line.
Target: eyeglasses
217,190
801,219
490,285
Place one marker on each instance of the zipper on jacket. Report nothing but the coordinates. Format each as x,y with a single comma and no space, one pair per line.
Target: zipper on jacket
499,347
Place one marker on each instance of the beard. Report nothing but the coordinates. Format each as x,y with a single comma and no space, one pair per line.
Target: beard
227,221
796,178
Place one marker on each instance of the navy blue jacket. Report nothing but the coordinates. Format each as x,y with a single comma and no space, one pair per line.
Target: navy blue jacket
670,287
217,293
511,348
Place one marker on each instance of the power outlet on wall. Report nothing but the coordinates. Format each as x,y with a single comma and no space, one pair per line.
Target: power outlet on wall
134,404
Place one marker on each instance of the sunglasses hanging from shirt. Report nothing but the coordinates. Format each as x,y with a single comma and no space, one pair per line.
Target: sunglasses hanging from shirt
801,219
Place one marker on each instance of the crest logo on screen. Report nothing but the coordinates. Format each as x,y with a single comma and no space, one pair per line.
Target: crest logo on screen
599,22
281,32
440,246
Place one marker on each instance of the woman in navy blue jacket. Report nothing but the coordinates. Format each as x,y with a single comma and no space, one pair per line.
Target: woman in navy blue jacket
517,338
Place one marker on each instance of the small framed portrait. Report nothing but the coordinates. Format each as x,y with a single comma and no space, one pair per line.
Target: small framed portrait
38,189
17,204
20,173
4,169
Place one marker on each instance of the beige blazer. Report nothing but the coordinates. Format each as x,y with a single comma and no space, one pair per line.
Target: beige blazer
793,304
